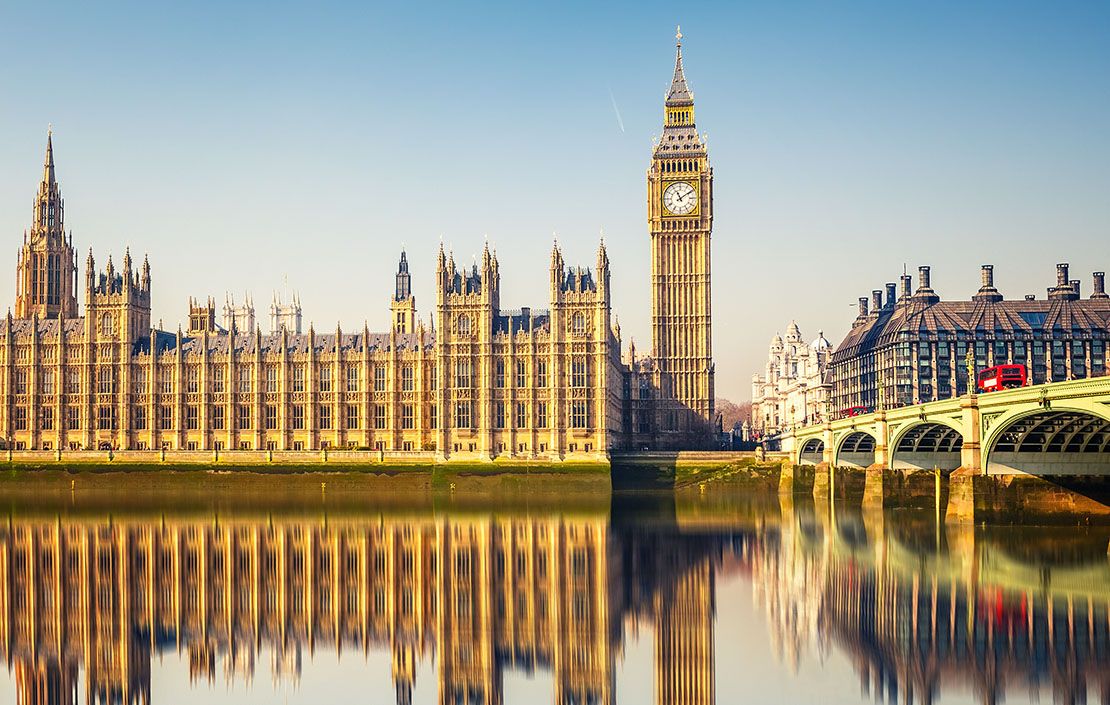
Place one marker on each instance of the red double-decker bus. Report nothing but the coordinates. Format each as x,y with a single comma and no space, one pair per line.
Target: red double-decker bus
1001,377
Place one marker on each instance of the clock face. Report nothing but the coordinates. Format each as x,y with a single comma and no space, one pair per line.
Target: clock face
680,198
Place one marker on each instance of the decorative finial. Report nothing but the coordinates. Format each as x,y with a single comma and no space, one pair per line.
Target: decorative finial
678,34
50,129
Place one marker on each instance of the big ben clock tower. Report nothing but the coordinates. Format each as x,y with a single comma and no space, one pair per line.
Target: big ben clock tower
680,219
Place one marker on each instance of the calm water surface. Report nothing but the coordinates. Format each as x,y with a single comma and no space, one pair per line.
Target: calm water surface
725,596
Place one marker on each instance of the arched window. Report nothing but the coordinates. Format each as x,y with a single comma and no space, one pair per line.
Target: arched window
578,324
106,324
462,325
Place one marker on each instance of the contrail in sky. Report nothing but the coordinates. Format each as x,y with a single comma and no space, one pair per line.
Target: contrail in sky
617,111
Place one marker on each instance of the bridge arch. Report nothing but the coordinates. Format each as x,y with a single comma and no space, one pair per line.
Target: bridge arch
855,449
926,445
812,451
1055,440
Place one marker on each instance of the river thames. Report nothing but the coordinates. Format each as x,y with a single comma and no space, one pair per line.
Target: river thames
326,592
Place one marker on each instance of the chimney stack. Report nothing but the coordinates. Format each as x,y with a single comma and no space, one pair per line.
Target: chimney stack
1064,289
1100,286
1075,287
987,292
876,301
863,306
907,286
891,294
925,291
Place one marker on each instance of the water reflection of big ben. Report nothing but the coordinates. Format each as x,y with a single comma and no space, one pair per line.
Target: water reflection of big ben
485,595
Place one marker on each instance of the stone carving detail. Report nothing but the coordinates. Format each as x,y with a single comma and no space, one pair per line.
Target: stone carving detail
988,419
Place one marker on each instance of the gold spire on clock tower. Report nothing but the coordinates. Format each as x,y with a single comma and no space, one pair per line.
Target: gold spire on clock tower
680,220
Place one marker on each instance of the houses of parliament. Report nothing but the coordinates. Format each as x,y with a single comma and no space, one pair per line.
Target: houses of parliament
478,381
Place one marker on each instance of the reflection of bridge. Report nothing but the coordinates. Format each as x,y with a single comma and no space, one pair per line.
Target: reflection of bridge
1061,428
483,594
919,616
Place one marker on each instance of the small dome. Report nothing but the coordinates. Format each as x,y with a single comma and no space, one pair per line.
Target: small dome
793,332
776,342
822,343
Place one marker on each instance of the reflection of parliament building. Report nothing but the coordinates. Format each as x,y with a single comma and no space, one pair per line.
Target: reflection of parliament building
482,596
481,381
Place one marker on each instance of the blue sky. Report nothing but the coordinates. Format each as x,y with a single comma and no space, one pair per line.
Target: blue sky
248,145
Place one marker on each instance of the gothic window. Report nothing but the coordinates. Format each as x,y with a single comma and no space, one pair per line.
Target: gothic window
325,416
218,380
407,378
106,324
271,417
462,374
541,374
48,382
521,415
379,416
298,417
462,325
138,418
379,378
244,417
432,377
106,418
433,416
73,418
192,379
140,381
462,415
46,419
352,378
218,418
165,418
541,414
192,421
499,374
521,374
21,382
579,373
105,382
499,415
578,414
578,324
245,379
271,378
352,416
325,378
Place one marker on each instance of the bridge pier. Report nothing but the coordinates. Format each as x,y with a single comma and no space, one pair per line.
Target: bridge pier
822,482
877,482
882,437
971,454
795,479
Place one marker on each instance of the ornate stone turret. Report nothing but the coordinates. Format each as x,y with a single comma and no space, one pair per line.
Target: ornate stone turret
202,317
403,306
46,271
117,304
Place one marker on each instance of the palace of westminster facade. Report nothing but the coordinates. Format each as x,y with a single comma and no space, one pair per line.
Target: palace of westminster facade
480,382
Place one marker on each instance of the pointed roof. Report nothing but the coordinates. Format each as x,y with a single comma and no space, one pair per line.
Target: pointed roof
48,162
679,93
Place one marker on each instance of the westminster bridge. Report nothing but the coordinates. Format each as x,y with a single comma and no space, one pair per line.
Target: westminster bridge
1056,429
